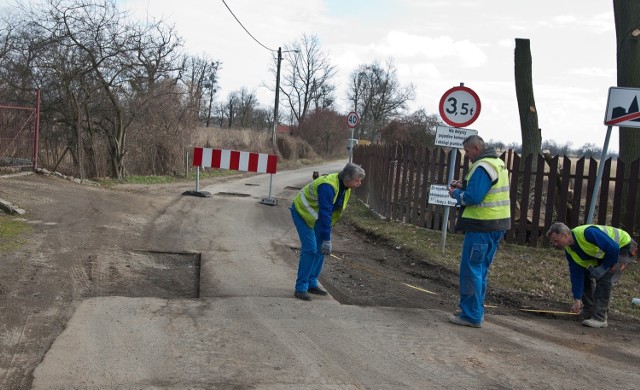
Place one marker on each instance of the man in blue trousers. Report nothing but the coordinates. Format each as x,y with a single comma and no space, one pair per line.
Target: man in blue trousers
486,215
316,208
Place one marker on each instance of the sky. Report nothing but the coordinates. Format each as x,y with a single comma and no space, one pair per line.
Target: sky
435,45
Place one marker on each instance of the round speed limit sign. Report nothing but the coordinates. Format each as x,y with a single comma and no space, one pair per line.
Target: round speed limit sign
459,106
352,119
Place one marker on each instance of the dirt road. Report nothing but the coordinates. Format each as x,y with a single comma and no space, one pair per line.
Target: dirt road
90,242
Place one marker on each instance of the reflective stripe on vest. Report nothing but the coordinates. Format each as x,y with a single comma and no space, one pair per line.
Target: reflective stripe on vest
620,237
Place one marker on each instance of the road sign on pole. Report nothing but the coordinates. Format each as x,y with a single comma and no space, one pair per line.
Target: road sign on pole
623,109
352,122
352,119
452,137
459,106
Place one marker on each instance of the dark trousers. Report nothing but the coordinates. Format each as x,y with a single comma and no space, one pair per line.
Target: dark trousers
597,293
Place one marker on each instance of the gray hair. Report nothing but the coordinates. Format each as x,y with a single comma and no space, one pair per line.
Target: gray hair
558,228
474,140
351,171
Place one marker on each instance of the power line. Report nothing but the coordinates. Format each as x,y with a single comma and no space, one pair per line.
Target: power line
240,23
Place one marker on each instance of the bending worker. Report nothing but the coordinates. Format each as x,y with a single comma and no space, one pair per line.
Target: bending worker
596,255
316,208
486,215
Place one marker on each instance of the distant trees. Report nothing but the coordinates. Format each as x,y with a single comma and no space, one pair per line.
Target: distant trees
417,129
107,81
377,96
325,130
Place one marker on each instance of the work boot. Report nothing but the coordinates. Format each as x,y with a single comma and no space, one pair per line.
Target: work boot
302,295
317,291
593,323
454,319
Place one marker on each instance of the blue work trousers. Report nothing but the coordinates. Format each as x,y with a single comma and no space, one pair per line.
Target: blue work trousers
478,249
311,258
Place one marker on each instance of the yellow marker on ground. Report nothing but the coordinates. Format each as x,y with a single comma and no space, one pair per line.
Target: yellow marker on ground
335,257
420,289
549,311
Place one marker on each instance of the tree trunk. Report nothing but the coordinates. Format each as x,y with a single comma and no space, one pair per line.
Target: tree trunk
627,20
531,137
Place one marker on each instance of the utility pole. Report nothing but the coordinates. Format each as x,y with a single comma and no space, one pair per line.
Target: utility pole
275,106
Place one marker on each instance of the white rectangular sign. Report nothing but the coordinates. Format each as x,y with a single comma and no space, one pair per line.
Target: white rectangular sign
438,194
622,107
452,137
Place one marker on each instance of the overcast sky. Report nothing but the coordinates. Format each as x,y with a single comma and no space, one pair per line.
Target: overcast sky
435,45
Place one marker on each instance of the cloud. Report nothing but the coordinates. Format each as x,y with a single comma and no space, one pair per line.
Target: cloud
401,45
599,23
594,72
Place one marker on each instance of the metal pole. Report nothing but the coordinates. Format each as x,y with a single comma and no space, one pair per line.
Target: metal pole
445,222
351,147
36,131
594,196
275,106
198,179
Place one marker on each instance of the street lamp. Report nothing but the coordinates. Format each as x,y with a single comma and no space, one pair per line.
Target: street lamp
275,106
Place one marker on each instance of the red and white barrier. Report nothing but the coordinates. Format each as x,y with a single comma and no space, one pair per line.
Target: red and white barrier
235,160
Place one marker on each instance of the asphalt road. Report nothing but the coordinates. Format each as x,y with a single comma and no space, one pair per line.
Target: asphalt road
244,329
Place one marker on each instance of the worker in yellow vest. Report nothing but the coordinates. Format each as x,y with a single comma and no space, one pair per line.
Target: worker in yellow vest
597,255
485,217
316,208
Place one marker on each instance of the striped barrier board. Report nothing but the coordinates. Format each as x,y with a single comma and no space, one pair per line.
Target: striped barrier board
235,160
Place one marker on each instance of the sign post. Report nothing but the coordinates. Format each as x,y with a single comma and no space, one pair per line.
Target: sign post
623,111
352,121
459,107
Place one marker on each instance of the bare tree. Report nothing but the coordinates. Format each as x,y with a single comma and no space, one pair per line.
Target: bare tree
306,77
417,129
247,103
377,96
103,70
324,131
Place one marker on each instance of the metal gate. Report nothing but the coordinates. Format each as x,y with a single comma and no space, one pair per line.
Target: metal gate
19,128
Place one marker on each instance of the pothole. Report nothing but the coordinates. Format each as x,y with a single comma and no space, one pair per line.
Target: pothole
138,274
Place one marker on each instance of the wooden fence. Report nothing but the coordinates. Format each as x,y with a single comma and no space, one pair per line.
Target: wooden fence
544,189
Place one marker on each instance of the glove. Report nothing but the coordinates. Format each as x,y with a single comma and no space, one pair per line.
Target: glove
326,248
597,272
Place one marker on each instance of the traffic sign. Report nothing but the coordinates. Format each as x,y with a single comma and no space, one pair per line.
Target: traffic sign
622,107
352,119
459,106
439,194
452,137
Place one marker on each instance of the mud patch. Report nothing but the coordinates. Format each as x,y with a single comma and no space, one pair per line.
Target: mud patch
138,274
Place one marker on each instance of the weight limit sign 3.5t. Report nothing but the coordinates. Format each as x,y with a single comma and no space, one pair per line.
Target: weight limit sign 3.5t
459,106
